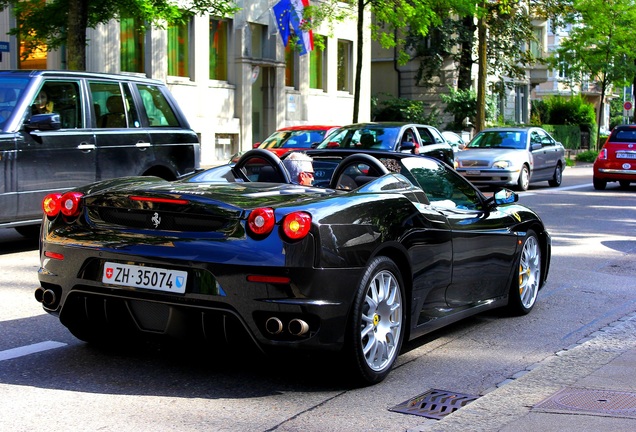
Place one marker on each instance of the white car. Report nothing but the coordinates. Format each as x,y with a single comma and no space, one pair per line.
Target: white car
512,156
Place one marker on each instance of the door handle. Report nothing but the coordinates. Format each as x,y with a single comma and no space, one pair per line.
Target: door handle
86,147
142,145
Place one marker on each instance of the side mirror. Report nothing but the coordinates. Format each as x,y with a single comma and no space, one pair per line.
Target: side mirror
44,122
505,196
255,145
536,146
407,147
333,144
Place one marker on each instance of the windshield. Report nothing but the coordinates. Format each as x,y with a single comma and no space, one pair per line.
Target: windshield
500,139
369,137
295,139
10,91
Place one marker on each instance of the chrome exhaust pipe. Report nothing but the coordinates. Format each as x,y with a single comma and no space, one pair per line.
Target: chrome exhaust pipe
39,293
273,326
298,327
49,297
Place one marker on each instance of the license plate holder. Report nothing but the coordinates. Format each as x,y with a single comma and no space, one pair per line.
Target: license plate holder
473,172
152,278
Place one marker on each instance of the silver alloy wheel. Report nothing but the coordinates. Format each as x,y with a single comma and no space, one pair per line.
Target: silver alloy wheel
529,272
524,178
381,321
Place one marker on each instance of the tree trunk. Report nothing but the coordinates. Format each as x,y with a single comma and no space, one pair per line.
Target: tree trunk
464,78
76,36
482,52
357,85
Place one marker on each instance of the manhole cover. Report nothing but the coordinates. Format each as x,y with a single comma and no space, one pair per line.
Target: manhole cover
604,402
434,404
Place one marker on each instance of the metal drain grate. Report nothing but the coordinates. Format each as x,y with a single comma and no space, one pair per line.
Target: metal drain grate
605,402
434,404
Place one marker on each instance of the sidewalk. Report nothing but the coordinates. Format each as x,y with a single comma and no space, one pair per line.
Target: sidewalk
596,378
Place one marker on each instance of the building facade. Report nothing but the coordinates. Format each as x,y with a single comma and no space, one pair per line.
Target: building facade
233,78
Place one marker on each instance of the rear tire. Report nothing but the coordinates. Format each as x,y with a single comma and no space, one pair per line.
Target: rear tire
525,287
599,184
557,178
376,328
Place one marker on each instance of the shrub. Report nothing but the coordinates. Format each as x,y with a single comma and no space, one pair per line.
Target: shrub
587,156
404,110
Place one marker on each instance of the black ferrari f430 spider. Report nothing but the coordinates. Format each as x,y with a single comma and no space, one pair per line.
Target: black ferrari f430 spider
383,248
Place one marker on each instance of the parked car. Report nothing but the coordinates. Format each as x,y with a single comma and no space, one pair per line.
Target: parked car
456,141
616,162
512,156
294,138
394,137
220,254
62,129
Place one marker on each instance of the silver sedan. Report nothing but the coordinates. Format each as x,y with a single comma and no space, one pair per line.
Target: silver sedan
512,156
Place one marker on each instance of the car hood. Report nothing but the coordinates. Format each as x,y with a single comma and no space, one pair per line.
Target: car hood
491,154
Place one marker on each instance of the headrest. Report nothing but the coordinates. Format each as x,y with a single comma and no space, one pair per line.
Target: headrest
114,105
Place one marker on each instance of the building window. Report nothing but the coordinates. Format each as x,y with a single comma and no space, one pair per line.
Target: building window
179,49
132,45
291,65
345,49
536,46
218,49
263,46
562,68
317,69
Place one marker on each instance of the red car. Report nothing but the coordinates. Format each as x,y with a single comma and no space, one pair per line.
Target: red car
295,138
617,159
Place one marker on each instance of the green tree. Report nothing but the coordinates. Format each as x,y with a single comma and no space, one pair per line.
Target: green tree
496,36
392,21
64,22
600,46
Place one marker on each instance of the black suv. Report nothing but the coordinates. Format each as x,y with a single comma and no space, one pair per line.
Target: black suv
62,129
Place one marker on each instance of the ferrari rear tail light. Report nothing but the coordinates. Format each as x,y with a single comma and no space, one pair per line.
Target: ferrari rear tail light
51,204
69,204
261,221
296,225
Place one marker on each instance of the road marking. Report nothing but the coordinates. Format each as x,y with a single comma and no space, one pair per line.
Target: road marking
29,349
553,190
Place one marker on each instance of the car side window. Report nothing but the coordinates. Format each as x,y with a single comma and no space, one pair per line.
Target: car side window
60,97
426,136
545,139
113,106
535,137
158,109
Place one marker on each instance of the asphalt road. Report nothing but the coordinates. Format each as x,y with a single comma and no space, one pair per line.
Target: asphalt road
51,381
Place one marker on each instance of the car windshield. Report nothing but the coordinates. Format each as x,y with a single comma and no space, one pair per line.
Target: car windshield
293,139
10,91
499,139
369,137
